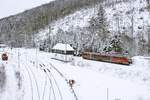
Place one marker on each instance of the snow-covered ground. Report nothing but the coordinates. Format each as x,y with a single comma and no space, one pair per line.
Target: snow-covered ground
33,75
12,7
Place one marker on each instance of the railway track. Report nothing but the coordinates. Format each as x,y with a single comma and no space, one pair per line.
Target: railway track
72,90
30,78
38,93
51,66
52,87
30,82
45,83
48,69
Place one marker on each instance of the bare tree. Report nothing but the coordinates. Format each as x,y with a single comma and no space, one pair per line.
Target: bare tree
149,41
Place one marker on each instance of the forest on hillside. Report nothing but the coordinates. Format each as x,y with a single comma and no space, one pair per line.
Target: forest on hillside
97,36
21,30
14,29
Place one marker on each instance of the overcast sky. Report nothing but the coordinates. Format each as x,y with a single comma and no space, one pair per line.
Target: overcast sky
12,7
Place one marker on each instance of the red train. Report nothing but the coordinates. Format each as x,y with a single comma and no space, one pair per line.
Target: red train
4,57
106,58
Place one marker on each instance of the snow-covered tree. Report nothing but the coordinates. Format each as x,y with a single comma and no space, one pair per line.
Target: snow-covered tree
141,43
115,45
101,22
60,36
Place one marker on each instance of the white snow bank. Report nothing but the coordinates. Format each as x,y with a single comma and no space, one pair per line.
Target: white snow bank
136,72
61,46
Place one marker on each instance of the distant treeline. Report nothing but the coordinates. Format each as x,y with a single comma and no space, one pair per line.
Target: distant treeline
18,29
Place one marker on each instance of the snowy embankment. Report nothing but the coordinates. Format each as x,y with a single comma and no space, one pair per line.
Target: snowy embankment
138,71
39,78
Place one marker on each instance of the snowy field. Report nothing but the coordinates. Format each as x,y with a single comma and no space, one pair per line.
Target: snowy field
33,75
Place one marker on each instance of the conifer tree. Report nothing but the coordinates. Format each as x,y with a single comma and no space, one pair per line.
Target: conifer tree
101,23
98,28
114,45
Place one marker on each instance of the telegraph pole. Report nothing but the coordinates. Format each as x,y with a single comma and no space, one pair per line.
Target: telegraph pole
49,39
132,32
65,47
